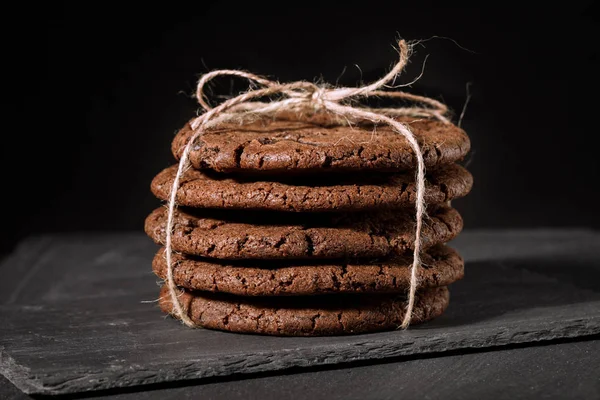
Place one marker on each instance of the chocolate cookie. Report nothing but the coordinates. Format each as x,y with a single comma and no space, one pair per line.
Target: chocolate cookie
275,146
306,316
237,235
316,193
441,266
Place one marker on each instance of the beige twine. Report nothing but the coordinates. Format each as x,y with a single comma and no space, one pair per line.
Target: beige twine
305,97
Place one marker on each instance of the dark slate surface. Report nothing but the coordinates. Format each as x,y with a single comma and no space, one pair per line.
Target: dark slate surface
554,371
73,319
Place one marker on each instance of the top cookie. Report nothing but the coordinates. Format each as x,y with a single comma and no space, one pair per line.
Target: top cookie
276,146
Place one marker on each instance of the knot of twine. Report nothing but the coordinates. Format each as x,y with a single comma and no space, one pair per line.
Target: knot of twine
305,97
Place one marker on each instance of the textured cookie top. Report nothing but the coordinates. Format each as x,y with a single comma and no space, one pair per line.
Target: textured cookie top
275,146
308,315
441,266
268,235
324,192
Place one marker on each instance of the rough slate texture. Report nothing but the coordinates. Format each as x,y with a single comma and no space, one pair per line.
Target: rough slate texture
72,319
501,374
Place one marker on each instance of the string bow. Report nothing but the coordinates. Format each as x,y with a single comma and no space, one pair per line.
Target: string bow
305,97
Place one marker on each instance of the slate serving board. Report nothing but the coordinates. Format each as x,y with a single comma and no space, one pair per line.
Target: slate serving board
72,317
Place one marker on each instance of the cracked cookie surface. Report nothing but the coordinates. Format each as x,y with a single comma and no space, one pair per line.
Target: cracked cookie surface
265,235
323,192
276,146
441,266
306,315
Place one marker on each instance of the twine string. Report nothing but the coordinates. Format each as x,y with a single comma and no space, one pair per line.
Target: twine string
306,97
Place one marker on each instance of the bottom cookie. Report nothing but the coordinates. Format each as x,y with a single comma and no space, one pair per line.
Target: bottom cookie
323,315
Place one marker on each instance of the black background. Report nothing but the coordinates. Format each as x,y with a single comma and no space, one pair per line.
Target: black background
103,90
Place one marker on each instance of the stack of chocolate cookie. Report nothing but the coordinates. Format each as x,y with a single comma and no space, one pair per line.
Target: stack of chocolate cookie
296,228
